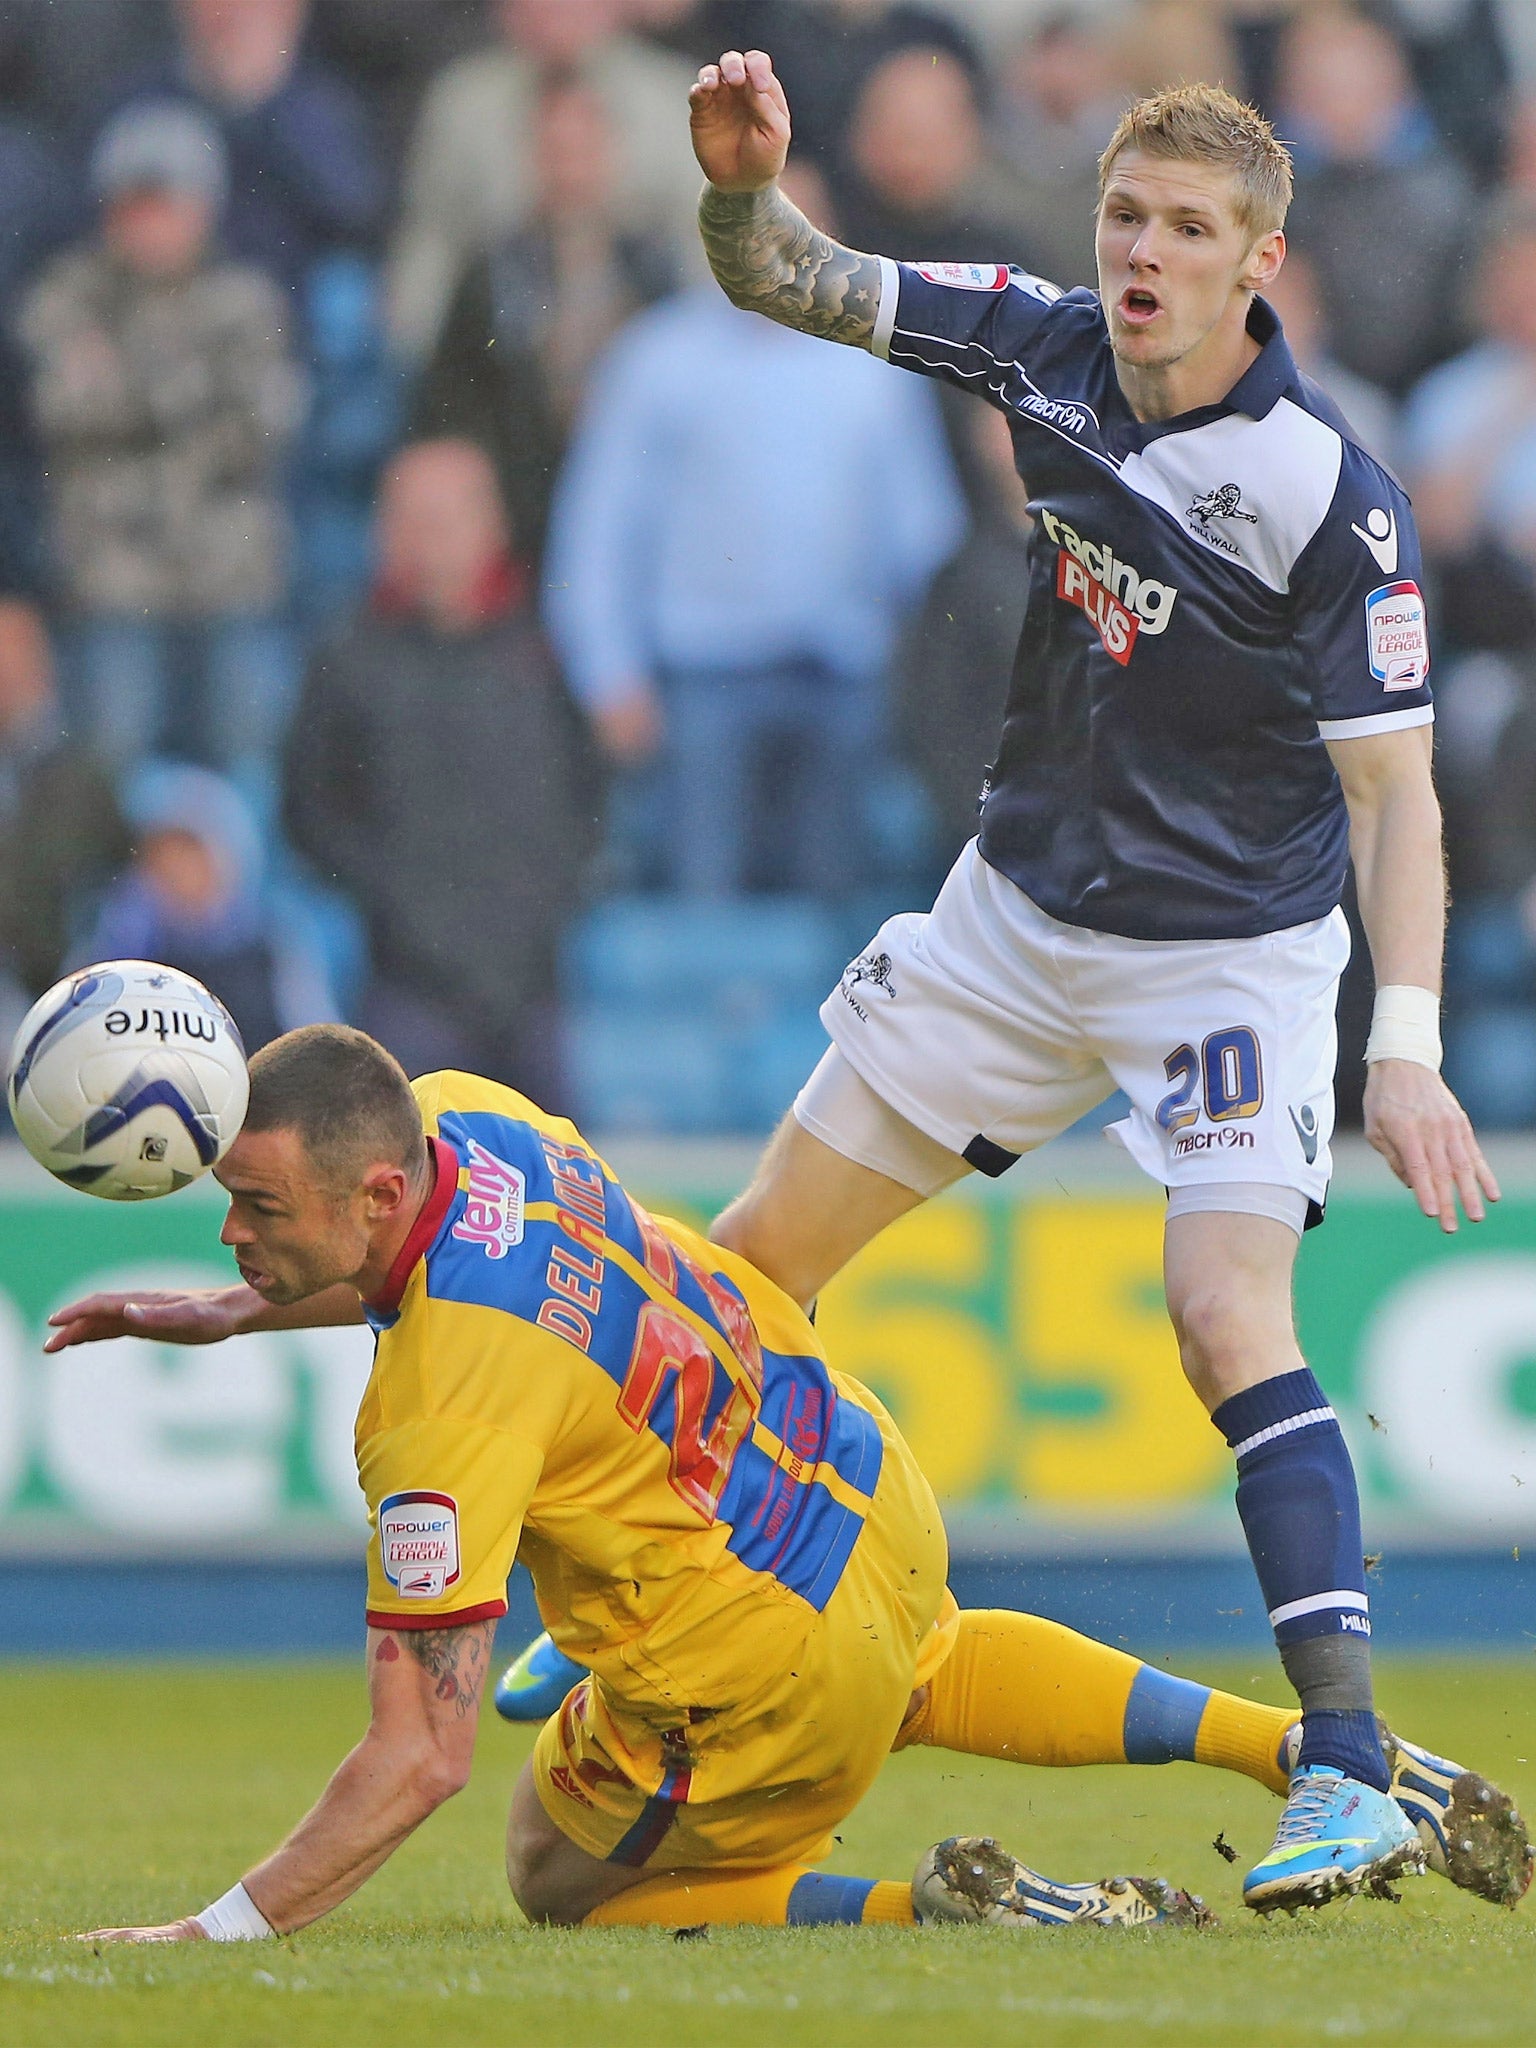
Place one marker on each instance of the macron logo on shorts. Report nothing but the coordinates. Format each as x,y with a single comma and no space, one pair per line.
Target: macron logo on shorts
419,1543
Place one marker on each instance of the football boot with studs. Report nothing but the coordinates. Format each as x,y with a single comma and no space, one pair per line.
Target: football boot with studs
970,1880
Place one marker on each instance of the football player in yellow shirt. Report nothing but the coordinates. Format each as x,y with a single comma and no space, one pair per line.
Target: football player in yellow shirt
730,1537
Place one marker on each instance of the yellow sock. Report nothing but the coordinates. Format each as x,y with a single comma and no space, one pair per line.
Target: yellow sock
889,1904
790,1896
1021,1687
1240,1735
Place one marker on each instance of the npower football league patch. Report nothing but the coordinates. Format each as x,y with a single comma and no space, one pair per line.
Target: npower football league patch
419,1543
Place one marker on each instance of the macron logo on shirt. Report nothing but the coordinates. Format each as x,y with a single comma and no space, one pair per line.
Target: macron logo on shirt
1380,535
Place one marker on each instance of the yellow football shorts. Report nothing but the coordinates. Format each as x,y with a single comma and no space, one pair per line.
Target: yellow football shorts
767,1782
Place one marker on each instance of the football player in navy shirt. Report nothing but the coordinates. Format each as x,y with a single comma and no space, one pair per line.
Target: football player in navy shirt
1220,696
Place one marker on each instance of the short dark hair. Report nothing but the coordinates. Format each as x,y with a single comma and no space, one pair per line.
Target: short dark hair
1205,124
345,1095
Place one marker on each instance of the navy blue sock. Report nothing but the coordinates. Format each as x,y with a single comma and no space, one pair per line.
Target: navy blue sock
1300,1510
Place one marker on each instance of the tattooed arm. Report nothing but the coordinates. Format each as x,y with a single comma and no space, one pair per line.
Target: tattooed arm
765,254
424,1687
767,258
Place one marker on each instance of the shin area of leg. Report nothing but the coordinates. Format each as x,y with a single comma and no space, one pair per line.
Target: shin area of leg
1019,1687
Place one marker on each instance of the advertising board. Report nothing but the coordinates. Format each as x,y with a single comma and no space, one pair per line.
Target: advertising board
1016,1328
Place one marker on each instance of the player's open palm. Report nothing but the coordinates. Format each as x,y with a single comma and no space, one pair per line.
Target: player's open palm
740,122
1426,1137
195,1317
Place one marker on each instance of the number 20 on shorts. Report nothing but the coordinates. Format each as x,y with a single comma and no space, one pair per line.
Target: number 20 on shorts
1229,1069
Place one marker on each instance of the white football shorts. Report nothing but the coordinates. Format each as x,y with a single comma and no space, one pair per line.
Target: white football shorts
990,1027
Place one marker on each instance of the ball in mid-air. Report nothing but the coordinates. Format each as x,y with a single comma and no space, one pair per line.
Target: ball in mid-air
128,1080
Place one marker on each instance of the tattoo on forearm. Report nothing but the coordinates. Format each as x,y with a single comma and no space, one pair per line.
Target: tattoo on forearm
767,258
458,1658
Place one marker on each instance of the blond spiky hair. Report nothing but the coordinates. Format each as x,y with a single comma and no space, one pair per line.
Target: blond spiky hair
1205,124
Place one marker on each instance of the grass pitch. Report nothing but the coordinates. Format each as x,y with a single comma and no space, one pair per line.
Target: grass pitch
138,1793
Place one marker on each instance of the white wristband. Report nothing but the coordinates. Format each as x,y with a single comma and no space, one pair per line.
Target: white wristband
1405,1025
235,1917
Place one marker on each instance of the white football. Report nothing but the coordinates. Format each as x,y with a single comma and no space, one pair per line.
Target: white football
128,1080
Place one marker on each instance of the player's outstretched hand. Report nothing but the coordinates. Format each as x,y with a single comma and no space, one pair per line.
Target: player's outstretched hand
1426,1137
204,1316
175,1930
740,122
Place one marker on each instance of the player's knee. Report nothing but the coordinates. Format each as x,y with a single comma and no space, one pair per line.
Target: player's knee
538,1884
555,1883
1215,1328
541,1903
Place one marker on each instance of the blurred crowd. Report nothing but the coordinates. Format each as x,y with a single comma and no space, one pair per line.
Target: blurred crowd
425,600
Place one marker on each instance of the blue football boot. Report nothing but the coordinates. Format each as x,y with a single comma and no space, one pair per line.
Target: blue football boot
534,1684
1472,1832
1336,1837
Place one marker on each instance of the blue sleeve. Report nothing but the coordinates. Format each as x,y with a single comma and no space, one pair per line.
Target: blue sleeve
1360,613
972,325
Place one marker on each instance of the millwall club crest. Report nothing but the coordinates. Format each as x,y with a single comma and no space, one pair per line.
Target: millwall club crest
1224,502
872,968
869,971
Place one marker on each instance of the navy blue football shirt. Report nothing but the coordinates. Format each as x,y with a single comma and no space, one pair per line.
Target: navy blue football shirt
1211,597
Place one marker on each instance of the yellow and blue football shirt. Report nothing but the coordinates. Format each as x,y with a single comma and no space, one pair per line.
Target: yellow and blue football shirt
639,1415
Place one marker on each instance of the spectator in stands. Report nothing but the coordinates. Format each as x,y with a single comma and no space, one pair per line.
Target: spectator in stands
60,831
40,205
795,31
165,395
390,50
61,59
1176,42
1061,95
357,400
41,208
25,563
471,178
437,772
923,180
736,616
1296,298
1522,145
528,320
1470,450
1490,1032
303,175
956,654
1463,54
1382,209
195,898
823,50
